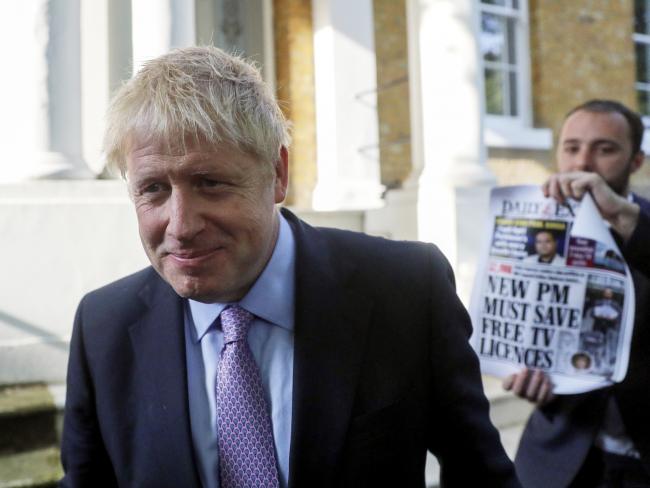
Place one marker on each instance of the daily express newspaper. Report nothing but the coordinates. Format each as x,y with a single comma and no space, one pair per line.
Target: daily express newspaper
552,292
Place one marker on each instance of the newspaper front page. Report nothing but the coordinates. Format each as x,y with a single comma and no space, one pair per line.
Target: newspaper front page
552,292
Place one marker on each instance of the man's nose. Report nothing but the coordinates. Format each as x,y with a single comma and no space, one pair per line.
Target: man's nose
583,161
185,220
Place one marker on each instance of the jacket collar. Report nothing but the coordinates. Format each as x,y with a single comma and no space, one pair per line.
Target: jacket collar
161,381
331,321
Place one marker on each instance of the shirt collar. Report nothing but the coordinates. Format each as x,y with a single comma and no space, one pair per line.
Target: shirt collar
271,297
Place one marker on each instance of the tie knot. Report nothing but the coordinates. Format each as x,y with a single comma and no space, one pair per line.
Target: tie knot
235,322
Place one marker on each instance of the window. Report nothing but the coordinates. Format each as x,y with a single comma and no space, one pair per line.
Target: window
642,49
503,44
502,63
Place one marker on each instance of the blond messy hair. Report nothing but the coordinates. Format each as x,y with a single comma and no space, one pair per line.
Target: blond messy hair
201,92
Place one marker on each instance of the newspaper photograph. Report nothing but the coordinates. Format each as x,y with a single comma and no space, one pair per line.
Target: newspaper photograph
552,292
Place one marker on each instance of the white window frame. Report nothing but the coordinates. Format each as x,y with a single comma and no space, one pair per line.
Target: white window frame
639,85
514,131
640,38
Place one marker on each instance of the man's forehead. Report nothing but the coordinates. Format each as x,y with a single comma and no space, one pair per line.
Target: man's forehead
149,156
172,146
586,126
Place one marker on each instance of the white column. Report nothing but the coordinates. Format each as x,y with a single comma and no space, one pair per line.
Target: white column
444,201
39,92
454,181
346,106
161,25
105,62
94,77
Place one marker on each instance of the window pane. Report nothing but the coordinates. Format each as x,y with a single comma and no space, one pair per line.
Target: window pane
497,38
644,101
492,38
514,109
641,16
494,92
512,42
642,62
498,43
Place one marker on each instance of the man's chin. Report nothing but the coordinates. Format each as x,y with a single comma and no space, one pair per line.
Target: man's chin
193,291
185,286
200,291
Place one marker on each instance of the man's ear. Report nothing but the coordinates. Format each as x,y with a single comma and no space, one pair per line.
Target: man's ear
637,161
281,175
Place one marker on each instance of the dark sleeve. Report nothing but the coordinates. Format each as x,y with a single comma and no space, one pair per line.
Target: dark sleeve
463,439
637,249
84,457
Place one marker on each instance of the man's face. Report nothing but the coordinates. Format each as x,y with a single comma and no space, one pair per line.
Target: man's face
545,245
598,142
206,216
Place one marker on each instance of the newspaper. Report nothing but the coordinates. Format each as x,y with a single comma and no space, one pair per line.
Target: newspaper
552,292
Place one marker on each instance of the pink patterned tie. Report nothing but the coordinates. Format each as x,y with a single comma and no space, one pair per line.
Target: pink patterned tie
246,450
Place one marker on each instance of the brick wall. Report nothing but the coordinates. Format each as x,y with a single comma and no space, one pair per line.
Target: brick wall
294,61
392,91
580,49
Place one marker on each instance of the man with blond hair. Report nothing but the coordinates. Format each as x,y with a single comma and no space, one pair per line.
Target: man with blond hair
258,351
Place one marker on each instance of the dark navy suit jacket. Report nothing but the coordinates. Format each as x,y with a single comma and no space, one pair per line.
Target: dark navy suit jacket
383,371
558,436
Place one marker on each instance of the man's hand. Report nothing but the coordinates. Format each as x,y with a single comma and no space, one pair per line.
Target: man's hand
532,385
622,214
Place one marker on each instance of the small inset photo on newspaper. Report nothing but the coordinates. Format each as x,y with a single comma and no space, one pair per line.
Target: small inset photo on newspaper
546,243
530,240
601,325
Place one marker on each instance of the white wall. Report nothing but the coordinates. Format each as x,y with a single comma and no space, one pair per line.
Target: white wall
62,239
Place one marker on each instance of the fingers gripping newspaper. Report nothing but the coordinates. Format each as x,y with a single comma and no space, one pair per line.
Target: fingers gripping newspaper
552,292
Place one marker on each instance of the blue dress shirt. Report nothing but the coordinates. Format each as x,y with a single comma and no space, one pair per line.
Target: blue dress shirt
271,300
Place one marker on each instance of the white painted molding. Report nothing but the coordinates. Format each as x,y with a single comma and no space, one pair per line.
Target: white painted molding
507,133
347,134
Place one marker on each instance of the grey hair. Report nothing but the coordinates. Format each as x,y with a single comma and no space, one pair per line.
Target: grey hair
201,92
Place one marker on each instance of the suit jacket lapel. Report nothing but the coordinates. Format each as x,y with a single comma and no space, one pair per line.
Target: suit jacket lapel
159,346
331,322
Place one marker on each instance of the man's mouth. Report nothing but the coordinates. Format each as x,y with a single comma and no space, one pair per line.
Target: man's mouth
192,257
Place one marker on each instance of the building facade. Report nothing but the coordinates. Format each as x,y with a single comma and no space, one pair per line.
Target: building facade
405,113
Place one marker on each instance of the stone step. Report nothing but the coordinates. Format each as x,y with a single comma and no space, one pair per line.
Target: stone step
30,426
38,468
29,418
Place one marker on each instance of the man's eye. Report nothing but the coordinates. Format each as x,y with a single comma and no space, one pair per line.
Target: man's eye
571,149
607,149
152,188
209,183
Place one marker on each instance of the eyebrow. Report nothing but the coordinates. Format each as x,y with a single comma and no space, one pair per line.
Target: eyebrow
595,141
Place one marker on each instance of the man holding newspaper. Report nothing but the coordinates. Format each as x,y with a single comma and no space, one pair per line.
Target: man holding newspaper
600,438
